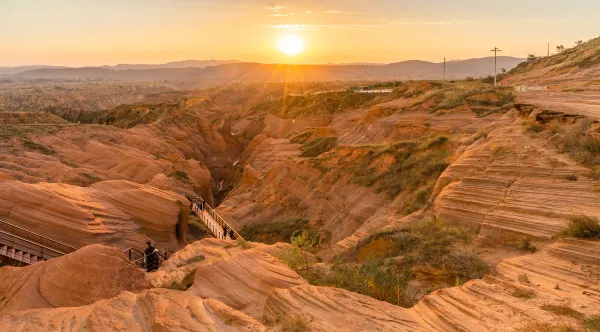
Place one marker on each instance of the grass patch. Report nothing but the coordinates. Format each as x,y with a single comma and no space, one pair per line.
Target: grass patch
523,293
375,269
325,103
318,146
302,138
271,232
417,165
180,175
583,148
533,127
562,310
592,323
524,244
584,227
36,146
291,323
91,177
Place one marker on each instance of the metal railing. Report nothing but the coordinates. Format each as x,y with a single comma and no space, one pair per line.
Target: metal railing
139,258
213,220
32,243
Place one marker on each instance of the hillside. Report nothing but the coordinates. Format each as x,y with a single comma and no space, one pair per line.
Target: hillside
579,65
251,72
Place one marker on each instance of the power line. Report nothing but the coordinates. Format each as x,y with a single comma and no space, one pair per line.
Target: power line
496,50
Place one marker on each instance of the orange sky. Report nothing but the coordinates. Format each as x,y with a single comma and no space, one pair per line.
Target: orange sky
85,32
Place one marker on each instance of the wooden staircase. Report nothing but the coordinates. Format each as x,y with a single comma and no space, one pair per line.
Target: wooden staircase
27,247
213,220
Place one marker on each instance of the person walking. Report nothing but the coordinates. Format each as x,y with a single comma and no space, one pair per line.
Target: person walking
231,234
224,232
148,254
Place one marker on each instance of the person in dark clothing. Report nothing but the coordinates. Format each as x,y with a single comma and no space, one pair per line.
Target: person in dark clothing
149,255
155,261
231,234
224,232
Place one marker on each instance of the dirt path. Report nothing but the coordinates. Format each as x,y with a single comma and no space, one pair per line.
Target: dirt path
567,102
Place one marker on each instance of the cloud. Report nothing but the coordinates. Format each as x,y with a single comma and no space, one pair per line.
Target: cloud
451,22
275,8
279,15
295,27
304,27
333,12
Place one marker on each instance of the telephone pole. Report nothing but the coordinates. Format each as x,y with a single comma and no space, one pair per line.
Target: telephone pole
444,69
496,50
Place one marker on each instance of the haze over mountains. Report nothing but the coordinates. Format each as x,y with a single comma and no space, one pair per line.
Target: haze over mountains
234,71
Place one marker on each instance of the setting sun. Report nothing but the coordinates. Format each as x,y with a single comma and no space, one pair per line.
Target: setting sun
291,44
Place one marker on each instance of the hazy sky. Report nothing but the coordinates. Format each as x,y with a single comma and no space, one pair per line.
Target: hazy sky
86,32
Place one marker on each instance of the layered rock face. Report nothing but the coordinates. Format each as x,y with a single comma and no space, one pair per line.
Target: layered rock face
118,213
248,290
88,275
511,183
152,310
523,293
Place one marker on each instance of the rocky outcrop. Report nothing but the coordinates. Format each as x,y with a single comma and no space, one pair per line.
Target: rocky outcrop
522,291
118,213
151,310
243,280
88,275
333,309
510,183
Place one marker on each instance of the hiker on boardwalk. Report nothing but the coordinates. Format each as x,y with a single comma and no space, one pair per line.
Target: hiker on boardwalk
149,255
231,234
224,232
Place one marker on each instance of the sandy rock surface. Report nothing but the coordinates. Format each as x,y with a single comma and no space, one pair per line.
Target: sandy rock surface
88,275
512,183
119,213
151,310
243,280
522,292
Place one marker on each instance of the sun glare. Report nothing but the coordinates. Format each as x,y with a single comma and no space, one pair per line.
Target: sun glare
291,44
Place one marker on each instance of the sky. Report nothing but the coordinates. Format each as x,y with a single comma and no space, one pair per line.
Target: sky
108,32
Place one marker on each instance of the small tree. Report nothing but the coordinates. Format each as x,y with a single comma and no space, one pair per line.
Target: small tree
579,42
560,48
503,70
531,57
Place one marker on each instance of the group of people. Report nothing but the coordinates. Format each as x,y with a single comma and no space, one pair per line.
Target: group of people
227,230
199,202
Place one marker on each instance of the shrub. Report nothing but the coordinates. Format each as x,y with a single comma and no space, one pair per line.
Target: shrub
584,149
592,323
584,227
318,146
533,126
525,244
271,232
523,293
180,175
36,146
562,310
572,177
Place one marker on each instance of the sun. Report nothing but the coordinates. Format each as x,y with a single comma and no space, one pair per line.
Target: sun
291,44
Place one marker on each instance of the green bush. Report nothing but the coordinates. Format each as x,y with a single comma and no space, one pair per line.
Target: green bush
584,227
36,146
572,177
271,232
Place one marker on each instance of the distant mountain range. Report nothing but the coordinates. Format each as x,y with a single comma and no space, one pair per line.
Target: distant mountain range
215,71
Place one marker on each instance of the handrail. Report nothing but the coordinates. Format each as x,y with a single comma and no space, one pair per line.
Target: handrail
215,217
39,235
32,242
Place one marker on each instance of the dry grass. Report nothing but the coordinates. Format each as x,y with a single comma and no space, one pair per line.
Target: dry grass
584,227
523,293
318,146
562,310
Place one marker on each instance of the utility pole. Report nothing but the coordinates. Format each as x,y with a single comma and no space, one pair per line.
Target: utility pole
548,49
444,69
496,50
